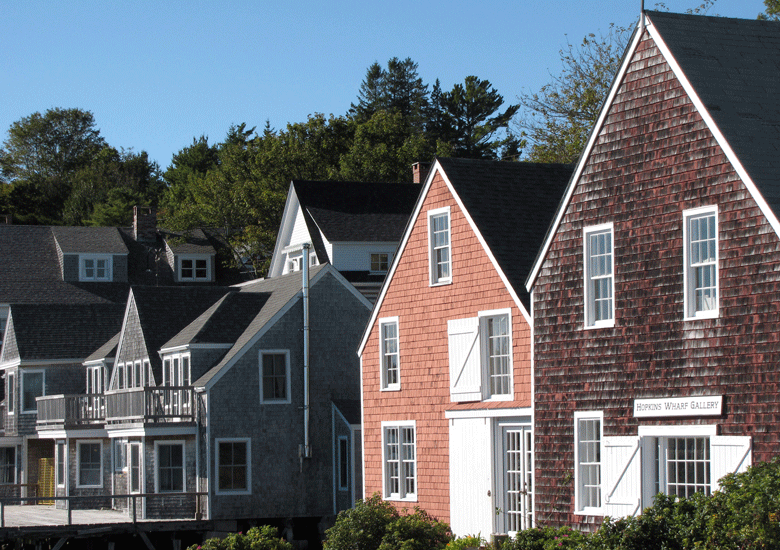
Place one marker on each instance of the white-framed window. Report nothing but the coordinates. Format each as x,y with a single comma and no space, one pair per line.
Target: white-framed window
62,464
599,268
274,376
293,264
134,457
170,466
480,356
119,451
7,465
683,465
399,458
233,465
11,391
700,256
380,262
33,384
194,268
439,249
95,267
588,426
96,376
90,464
343,462
389,356
176,370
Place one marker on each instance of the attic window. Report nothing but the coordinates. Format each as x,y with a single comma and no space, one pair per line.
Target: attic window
194,269
95,268
379,262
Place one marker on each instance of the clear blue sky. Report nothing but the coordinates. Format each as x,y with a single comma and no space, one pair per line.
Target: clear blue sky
155,74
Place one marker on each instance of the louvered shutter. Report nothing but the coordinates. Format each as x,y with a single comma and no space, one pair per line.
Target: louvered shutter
621,476
728,453
465,365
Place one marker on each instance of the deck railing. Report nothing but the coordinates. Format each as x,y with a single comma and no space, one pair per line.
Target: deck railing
71,410
151,404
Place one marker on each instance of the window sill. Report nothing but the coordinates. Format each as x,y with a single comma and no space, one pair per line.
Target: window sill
589,512
391,388
233,492
399,499
714,314
275,402
600,324
440,283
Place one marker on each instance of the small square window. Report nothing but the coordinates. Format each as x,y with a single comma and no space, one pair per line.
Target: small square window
379,262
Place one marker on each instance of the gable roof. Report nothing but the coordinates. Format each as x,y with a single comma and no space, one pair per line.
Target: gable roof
730,69
194,241
508,204
106,352
63,331
89,240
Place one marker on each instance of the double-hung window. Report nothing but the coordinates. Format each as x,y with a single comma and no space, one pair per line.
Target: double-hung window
233,465
599,276
440,261
32,387
90,468
170,467
95,267
700,235
587,459
389,354
399,456
274,376
7,465
480,356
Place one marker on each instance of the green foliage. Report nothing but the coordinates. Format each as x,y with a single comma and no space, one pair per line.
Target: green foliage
772,11
545,538
375,524
470,541
257,538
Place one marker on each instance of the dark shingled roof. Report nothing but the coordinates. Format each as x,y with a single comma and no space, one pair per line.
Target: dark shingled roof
194,241
512,204
60,331
350,408
106,351
90,240
348,211
734,66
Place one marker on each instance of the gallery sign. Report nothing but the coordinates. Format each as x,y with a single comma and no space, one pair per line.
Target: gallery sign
711,405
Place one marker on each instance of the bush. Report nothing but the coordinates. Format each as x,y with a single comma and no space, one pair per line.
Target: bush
257,538
545,538
374,524
470,541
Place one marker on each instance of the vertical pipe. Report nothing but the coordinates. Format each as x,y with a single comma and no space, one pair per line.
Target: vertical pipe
306,443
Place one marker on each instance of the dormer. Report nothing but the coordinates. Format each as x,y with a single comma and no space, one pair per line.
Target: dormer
91,254
191,256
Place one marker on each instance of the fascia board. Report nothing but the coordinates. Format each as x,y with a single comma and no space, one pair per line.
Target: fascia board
291,205
584,157
121,342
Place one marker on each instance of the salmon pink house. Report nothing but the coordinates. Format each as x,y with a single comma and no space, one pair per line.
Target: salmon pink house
446,356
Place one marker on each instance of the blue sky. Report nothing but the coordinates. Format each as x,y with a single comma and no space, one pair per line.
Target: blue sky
155,74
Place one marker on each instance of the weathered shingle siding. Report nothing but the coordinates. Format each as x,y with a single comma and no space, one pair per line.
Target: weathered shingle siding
175,505
133,343
99,499
654,158
423,312
70,267
279,488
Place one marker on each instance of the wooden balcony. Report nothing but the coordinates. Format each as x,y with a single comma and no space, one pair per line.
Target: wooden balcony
71,411
152,405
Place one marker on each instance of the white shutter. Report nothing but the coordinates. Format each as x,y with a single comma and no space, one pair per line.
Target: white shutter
621,476
465,366
728,453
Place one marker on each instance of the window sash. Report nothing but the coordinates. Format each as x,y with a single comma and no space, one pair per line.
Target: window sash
599,276
7,465
440,247
274,376
379,262
233,465
589,463
390,355
90,464
498,342
684,465
170,467
702,263
400,462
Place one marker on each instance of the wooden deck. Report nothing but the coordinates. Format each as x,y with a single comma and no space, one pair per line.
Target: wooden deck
39,515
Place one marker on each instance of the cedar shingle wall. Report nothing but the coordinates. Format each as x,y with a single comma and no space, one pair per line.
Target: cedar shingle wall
654,158
423,312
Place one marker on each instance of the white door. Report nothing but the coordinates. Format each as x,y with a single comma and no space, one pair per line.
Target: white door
514,502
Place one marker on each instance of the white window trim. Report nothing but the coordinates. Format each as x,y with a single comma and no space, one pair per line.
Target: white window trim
286,354
157,445
432,280
180,369
13,403
411,497
119,455
128,446
79,444
383,385
61,479
23,405
193,258
109,267
484,359
698,430
688,292
587,415
248,441
590,323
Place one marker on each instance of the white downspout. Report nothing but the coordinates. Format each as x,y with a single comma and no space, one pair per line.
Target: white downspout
306,451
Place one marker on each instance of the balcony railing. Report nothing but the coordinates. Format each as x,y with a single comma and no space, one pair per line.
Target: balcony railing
152,404
71,410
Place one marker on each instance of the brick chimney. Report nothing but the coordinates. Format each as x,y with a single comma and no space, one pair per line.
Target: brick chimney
145,224
420,171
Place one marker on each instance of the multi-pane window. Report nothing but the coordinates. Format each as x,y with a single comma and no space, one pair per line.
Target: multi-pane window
588,457
599,277
90,464
120,455
32,387
95,268
194,269
11,391
497,342
135,467
388,354
170,467
701,251
684,466
274,377
400,462
439,239
379,262
232,465
7,465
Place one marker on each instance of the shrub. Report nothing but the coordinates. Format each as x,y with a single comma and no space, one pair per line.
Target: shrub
545,538
257,538
416,531
470,541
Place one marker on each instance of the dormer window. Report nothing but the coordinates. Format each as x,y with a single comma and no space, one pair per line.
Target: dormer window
194,269
293,264
95,268
379,262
